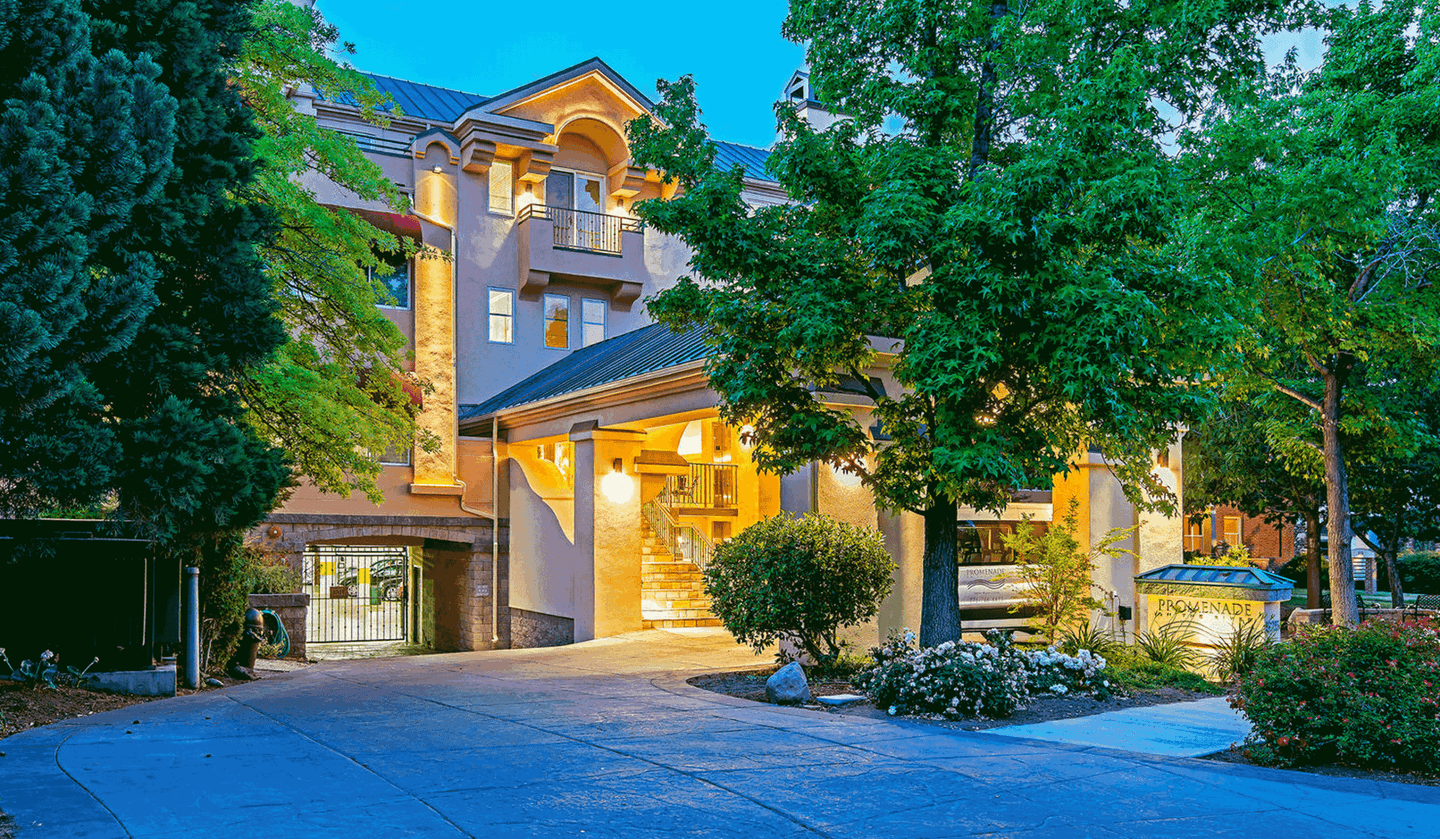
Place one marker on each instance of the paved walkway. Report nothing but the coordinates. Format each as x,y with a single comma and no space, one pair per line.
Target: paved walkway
1180,729
604,739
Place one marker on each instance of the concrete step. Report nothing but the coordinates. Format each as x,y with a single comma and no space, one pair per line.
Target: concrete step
682,623
657,613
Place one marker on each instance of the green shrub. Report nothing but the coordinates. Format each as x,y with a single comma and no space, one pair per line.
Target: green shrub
800,580
1363,697
1236,653
1139,673
1168,645
1088,637
230,571
1295,570
1420,572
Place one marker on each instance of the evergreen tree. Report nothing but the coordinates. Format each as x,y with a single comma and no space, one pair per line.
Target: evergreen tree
86,142
190,466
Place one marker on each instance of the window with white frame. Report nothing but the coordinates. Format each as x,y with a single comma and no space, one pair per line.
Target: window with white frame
592,320
557,321
502,316
502,187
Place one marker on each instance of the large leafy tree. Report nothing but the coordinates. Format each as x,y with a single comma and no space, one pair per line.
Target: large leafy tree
86,142
1010,242
1252,453
1395,494
332,397
1318,205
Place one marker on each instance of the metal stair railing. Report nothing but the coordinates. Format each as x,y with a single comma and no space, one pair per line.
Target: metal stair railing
684,542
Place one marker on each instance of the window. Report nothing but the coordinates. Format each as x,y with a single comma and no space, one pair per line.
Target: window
582,192
393,276
502,316
983,542
1195,536
1232,531
502,187
592,321
395,456
557,321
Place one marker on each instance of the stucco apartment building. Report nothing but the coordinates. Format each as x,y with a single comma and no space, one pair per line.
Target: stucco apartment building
583,475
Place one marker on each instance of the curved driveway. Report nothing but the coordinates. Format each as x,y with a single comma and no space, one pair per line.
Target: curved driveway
604,739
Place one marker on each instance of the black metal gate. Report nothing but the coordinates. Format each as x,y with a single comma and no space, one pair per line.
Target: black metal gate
357,593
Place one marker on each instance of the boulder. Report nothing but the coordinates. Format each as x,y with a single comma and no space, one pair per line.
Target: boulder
788,685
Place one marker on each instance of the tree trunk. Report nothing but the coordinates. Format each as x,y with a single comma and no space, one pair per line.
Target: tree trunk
985,97
940,592
1312,559
1344,610
1392,567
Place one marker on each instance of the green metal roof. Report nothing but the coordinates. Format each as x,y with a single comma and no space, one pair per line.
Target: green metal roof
1216,575
644,350
753,160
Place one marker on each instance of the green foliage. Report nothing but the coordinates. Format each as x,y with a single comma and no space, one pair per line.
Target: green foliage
1012,244
1088,636
332,397
1132,670
1294,569
135,306
87,138
1313,197
1056,575
1234,556
1235,655
230,571
800,580
1167,645
1420,572
968,679
1363,697
962,679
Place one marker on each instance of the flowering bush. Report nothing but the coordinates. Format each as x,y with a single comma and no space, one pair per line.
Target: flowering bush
1365,697
968,679
1056,672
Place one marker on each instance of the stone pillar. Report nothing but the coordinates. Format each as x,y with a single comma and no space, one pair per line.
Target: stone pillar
434,293
607,532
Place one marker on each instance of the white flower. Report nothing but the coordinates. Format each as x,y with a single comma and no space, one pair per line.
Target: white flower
892,710
1059,689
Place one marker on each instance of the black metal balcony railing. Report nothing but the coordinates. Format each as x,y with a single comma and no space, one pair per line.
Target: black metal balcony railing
708,486
581,229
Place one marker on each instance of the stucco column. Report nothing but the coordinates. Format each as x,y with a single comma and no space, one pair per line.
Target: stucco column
435,199
607,531
1162,537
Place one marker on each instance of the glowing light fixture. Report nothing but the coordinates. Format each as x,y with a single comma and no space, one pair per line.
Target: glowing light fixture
617,486
844,477
747,436
436,169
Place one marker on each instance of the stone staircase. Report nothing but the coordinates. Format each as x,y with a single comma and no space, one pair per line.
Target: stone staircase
672,590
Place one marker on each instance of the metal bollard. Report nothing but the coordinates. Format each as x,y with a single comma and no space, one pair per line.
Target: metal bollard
192,627
251,640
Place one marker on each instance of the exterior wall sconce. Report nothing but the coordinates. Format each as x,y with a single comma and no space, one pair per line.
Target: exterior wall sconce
844,477
436,169
617,486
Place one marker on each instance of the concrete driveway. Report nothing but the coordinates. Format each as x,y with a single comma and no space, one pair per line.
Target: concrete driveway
604,739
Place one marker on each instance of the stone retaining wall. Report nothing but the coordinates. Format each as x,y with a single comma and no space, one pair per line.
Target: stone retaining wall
292,609
535,629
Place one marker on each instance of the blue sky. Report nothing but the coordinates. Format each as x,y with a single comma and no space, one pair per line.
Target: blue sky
734,50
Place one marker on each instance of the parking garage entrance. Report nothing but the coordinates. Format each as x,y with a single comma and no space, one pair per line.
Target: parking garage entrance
359,593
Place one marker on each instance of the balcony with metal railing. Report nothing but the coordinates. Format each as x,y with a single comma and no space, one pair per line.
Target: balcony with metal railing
710,489
583,247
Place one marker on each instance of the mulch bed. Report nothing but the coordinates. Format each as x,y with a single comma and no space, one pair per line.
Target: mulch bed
1237,755
751,685
23,708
